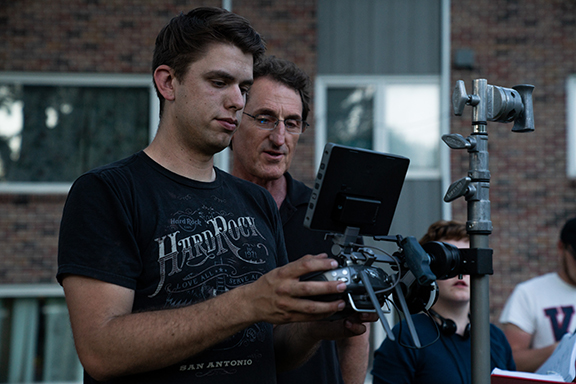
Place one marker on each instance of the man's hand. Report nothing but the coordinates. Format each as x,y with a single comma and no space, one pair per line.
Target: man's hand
279,296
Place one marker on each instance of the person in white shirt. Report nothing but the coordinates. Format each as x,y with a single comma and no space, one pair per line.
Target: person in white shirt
541,310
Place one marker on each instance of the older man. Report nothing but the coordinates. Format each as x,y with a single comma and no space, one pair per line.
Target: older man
264,146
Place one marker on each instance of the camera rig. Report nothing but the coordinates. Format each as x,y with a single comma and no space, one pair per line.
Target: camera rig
349,213
406,278
346,206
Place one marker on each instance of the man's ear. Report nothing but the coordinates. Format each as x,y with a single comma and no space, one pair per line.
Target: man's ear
164,79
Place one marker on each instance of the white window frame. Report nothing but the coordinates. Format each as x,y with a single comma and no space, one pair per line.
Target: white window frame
34,291
20,291
571,127
323,82
76,80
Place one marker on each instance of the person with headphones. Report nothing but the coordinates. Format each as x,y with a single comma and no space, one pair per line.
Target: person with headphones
444,331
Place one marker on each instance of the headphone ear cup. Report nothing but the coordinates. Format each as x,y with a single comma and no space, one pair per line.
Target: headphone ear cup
467,331
448,327
418,298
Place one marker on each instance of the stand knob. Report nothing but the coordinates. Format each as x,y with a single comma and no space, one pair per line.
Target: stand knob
459,188
460,98
457,141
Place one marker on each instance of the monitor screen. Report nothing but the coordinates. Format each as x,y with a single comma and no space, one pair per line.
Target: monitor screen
356,187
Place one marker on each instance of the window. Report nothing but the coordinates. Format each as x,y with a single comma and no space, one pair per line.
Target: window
54,127
36,344
571,127
394,114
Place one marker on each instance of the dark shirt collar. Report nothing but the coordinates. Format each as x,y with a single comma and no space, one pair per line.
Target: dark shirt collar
297,194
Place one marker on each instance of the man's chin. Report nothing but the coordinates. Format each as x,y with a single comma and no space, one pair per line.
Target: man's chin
218,147
272,174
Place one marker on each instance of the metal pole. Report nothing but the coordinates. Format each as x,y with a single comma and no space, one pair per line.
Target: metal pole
479,226
490,103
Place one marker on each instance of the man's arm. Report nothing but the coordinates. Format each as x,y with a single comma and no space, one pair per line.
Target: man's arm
353,355
295,343
526,358
112,341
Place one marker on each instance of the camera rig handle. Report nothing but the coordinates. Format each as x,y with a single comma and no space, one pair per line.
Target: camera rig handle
418,261
348,252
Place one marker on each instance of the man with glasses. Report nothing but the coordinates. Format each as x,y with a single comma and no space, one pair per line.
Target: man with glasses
263,146
542,310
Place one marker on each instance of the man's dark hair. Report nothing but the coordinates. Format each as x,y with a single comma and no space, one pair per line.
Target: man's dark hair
445,230
568,235
287,73
187,38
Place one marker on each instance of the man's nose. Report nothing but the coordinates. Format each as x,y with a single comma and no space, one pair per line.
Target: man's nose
278,134
236,99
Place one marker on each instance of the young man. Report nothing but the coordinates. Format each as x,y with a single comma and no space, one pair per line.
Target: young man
263,147
445,335
169,266
541,310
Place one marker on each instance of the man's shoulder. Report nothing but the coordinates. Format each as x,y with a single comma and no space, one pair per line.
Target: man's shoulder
118,165
237,182
246,188
297,190
539,281
111,173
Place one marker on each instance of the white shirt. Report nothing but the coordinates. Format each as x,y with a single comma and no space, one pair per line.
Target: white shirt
544,307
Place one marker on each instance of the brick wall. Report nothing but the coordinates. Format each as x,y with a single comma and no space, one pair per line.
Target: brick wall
29,237
289,28
520,42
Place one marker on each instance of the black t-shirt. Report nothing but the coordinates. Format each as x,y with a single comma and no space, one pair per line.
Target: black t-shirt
176,242
323,366
445,359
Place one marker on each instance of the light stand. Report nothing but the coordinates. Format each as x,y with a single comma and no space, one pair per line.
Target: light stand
489,103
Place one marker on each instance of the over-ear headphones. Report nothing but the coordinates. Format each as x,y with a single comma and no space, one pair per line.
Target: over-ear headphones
418,298
448,326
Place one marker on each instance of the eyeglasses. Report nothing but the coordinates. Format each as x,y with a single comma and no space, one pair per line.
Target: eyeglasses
269,123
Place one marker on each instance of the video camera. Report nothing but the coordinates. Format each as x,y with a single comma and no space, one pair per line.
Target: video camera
355,194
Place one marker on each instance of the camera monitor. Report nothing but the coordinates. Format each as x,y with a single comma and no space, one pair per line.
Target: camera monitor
356,187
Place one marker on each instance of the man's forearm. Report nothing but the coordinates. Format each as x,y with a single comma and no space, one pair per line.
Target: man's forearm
115,342
529,360
353,356
526,358
295,343
112,341
293,346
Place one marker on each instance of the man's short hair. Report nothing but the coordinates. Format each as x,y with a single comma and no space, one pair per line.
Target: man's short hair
287,73
445,230
568,235
187,37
